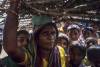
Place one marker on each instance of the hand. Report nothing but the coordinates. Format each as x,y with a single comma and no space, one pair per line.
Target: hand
15,5
15,2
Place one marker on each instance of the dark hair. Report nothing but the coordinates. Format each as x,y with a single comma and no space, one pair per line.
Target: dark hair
87,29
93,53
36,34
22,32
81,49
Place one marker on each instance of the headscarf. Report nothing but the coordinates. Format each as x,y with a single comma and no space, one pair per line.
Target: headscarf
54,57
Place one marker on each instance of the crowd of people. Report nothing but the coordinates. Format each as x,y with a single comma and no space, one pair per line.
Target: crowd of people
47,46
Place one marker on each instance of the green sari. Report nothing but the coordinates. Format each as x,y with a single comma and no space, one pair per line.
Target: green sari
8,62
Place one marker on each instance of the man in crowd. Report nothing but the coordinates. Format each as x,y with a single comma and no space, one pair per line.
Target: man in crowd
90,41
22,42
88,32
76,55
93,55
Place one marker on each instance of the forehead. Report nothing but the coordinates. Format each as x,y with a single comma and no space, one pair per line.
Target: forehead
49,28
22,35
88,30
73,30
62,39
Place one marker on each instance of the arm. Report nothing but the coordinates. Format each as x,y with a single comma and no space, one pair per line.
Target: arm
10,30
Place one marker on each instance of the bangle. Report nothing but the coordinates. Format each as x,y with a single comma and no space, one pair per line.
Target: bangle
13,12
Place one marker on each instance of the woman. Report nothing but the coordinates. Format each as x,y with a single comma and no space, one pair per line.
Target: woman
45,38
44,54
93,55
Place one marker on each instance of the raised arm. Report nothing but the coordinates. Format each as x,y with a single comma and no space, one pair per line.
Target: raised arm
10,30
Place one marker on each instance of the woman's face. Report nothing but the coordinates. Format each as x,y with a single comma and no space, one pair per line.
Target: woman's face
74,34
47,37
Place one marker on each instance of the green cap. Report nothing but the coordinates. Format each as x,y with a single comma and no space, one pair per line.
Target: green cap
41,20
